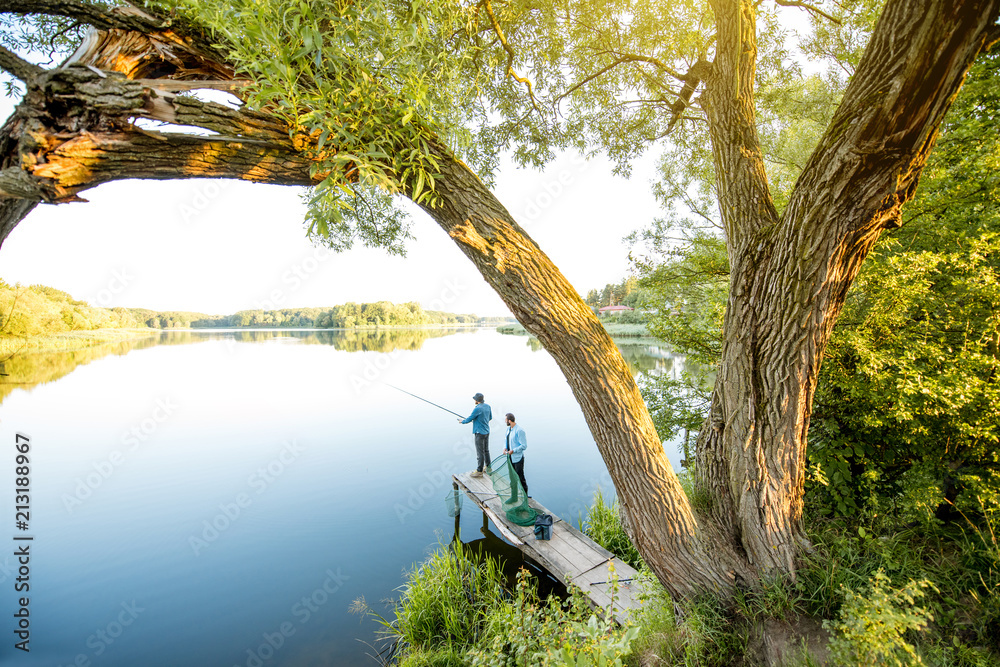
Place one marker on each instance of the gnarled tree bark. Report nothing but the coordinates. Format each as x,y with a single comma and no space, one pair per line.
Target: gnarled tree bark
790,274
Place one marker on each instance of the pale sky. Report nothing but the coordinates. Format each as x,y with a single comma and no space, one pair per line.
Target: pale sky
221,246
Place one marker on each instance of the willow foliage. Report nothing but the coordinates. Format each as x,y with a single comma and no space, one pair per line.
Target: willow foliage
365,88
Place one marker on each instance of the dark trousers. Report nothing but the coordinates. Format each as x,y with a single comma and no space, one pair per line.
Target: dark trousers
519,469
482,450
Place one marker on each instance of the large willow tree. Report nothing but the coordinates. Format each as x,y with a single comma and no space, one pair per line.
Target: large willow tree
367,101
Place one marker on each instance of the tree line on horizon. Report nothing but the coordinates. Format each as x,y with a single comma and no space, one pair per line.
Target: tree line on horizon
39,310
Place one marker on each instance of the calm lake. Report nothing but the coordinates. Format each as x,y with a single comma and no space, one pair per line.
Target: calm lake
220,498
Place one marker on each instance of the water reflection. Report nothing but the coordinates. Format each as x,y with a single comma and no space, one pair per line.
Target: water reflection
26,370
642,354
381,340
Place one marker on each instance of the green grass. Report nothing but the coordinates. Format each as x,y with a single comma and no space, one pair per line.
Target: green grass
603,524
455,610
960,563
448,599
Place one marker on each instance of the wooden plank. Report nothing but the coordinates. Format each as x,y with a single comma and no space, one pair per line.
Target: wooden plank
570,556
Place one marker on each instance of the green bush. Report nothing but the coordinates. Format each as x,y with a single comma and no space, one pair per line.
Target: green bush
455,611
963,566
529,632
873,624
439,657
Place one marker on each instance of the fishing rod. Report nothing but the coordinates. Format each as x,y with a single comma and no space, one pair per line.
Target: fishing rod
620,581
424,400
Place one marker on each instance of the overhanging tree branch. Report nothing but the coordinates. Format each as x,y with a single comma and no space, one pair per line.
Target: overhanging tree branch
812,8
127,18
52,159
12,63
621,59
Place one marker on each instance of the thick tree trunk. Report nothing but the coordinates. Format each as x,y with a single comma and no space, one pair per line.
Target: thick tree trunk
790,276
673,543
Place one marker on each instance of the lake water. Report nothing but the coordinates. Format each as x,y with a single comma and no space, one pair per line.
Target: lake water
220,498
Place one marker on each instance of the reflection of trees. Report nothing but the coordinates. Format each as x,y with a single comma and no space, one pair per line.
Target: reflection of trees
646,358
31,369
643,355
351,340
378,340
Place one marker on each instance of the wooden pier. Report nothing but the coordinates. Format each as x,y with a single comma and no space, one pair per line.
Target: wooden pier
570,556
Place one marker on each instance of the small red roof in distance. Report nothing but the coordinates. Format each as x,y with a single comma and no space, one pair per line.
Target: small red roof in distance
606,309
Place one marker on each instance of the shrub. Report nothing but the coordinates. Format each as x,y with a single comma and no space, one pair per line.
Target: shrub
872,626
529,632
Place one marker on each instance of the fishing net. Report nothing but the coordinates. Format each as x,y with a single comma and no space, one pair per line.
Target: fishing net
453,503
507,485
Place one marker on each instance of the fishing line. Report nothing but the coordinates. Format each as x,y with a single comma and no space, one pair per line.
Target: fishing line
424,400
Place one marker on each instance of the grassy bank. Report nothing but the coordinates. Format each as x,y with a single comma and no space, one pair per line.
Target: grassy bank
615,329
900,596
455,610
70,340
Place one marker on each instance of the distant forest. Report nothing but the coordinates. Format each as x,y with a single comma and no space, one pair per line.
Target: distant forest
38,310
626,293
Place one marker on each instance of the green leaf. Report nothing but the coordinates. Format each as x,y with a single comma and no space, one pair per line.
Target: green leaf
418,187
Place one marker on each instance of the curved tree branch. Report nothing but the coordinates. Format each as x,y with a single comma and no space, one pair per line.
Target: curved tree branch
88,138
808,7
129,18
488,8
18,67
621,59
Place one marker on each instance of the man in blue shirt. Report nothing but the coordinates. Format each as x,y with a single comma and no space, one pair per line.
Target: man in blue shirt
480,418
517,442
